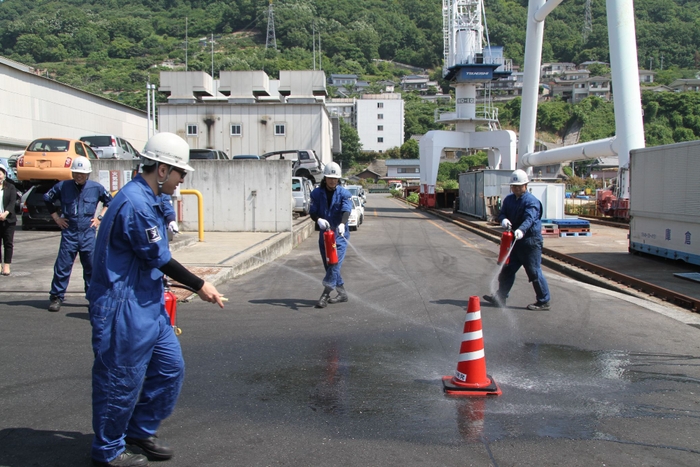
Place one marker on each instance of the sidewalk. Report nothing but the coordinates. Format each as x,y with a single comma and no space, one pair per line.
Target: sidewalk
223,256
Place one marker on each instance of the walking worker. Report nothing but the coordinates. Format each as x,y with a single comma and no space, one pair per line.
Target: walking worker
8,220
331,205
78,223
138,369
522,211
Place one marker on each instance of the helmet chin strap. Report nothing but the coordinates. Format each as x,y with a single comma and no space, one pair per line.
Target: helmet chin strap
160,184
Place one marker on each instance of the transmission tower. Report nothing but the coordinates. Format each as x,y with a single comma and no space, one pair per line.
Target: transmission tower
271,41
587,21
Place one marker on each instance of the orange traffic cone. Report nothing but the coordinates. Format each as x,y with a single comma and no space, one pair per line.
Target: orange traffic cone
471,379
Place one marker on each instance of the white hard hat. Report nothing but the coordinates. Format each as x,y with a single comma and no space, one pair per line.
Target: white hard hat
519,177
331,170
168,148
81,165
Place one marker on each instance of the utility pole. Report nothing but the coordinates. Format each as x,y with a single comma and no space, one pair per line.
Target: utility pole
662,61
186,47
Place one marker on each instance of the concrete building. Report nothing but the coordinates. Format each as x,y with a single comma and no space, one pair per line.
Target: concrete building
33,106
380,119
245,112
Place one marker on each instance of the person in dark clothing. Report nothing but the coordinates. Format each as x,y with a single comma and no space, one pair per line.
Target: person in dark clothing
139,368
79,198
522,211
331,206
8,220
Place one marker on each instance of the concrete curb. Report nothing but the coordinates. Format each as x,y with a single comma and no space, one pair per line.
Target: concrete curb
260,254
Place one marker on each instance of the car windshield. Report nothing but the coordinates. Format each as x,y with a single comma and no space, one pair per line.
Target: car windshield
356,201
49,145
296,185
202,154
98,141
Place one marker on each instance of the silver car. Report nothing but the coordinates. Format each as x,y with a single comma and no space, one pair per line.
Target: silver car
111,147
301,194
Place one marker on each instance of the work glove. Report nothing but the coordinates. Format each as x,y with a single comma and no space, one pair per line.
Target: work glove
173,227
518,234
323,224
341,230
505,223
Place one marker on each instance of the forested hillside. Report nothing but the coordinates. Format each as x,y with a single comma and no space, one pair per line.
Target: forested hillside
114,47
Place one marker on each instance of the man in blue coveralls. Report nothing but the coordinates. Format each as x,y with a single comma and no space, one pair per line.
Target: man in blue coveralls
138,368
330,209
522,211
79,198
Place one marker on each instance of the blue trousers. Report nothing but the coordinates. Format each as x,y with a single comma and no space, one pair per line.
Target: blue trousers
72,243
528,254
137,374
333,278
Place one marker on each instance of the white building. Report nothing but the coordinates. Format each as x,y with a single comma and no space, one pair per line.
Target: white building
380,119
245,112
33,106
404,169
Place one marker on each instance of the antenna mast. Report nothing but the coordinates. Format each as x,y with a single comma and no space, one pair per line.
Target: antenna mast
271,41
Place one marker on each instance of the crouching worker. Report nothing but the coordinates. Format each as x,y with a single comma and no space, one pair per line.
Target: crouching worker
138,368
331,205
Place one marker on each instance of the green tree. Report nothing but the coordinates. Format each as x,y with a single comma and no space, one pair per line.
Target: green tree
352,148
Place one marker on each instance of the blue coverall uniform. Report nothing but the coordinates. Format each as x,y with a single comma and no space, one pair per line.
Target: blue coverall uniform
341,202
524,213
78,204
138,369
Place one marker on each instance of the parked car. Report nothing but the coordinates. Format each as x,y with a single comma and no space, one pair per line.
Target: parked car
35,214
51,158
357,190
211,154
246,156
357,215
111,147
305,162
5,162
301,193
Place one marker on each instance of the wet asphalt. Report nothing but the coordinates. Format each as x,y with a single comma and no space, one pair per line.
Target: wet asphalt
601,379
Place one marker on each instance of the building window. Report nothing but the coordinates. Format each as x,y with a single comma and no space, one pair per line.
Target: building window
380,140
380,105
380,127
407,170
279,129
380,116
192,130
236,129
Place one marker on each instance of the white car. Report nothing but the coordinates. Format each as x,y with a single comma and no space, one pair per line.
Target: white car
357,215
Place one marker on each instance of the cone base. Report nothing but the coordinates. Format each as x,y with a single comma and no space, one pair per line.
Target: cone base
466,390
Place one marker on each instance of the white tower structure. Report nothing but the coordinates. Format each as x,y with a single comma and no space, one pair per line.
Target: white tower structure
467,63
629,125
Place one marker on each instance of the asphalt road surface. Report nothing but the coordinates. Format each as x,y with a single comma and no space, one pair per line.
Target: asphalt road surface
599,380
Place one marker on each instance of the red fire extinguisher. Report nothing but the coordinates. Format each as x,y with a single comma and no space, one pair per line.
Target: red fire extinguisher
331,248
506,242
171,307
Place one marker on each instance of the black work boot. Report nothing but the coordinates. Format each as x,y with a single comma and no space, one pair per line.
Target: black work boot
152,447
495,299
55,304
325,297
341,297
125,459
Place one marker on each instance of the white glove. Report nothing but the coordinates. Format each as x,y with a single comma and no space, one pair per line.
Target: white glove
173,227
341,230
323,224
505,223
518,234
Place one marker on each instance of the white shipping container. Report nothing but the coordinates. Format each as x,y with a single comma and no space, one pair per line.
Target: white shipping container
665,201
